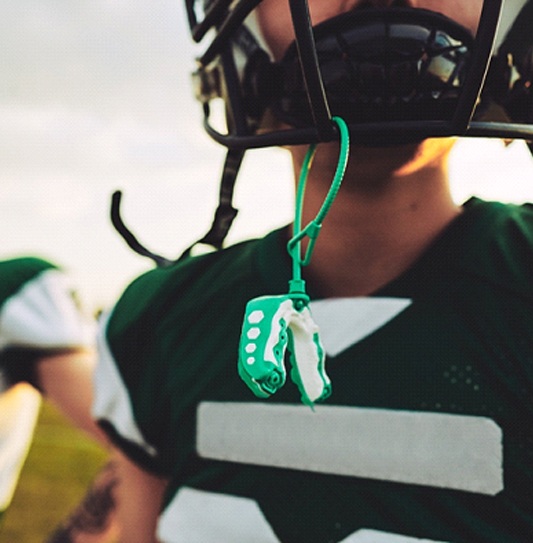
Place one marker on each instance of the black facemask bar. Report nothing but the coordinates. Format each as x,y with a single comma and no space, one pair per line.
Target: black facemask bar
509,85
380,65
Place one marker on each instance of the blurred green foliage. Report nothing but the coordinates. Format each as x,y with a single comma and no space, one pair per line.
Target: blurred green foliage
61,463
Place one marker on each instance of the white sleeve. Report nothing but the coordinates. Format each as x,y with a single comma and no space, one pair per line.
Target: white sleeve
44,314
111,398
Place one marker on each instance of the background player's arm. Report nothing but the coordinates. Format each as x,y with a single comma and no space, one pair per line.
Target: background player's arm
121,506
66,379
138,496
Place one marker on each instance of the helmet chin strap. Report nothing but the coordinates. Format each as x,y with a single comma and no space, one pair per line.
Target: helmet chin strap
274,325
129,237
222,221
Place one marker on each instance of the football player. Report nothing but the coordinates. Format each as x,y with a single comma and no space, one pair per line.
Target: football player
409,331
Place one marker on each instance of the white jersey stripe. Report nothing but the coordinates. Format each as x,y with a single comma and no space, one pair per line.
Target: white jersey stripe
111,399
42,314
433,449
343,322
373,536
199,516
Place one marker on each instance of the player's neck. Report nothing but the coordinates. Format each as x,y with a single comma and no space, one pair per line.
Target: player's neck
373,233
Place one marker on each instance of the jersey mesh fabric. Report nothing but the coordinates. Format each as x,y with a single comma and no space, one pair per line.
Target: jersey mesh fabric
464,346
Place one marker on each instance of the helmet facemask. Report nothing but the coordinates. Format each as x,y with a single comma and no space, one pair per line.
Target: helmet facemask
381,65
396,75
393,73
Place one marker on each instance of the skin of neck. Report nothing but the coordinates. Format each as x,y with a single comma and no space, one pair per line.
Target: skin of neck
392,205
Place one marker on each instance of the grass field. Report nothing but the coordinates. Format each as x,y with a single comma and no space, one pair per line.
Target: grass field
61,463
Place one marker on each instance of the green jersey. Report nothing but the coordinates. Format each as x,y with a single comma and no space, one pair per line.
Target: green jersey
427,435
37,315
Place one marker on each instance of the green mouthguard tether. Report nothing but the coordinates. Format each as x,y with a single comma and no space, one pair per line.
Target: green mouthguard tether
274,325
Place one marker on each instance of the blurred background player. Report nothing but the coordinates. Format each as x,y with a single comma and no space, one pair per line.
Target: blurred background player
46,346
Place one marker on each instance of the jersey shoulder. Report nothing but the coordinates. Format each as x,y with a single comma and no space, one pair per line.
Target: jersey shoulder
499,248
172,336
192,283
16,272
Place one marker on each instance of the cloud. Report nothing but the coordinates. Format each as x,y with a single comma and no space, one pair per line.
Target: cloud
492,170
95,96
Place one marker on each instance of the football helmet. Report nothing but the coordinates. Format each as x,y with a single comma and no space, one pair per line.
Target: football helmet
395,74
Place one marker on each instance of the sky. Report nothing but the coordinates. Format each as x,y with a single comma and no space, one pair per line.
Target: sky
96,96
